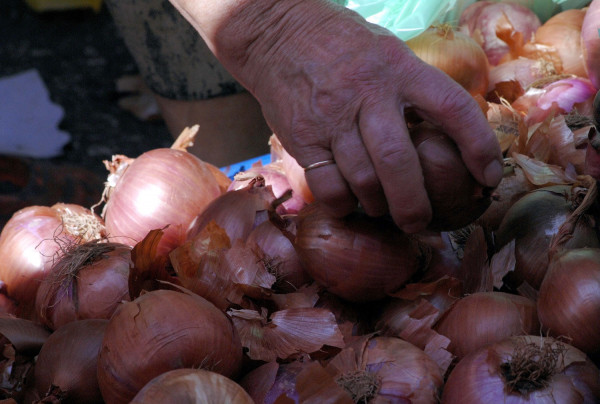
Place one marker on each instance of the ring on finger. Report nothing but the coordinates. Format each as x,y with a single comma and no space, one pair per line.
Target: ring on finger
318,164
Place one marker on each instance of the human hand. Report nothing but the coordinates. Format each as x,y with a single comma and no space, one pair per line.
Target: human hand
334,87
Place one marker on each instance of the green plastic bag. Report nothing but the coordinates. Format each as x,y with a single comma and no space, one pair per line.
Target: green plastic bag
408,18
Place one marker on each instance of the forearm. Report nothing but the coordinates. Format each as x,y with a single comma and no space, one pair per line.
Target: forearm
245,34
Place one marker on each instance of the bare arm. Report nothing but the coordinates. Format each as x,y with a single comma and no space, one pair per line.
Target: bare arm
333,86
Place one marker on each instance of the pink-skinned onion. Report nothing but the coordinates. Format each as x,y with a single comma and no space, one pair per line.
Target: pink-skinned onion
162,188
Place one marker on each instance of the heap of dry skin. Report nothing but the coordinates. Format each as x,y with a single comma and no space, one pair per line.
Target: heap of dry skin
361,385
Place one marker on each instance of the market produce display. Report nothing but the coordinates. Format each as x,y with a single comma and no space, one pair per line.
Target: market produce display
183,285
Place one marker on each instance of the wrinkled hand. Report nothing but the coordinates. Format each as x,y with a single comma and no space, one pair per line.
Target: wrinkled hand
333,86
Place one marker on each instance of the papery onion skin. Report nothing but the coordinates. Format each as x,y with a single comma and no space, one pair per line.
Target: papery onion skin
480,19
456,54
357,258
569,298
283,260
191,386
32,238
90,289
68,360
456,198
532,222
162,187
160,331
486,317
478,377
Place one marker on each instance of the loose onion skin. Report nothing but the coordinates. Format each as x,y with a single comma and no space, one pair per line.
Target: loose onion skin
160,331
68,361
357,258
89,281
456,54
162,187
566,374
480,20
569,298
33,238
532,222
457,199
486,317
191,386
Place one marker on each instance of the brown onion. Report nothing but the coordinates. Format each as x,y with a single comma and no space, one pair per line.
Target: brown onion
281,256
456,54
486,317
191,386
562,32
162,187
357,258
34,237
569,298
163,330
456,197
532,222
384,369
237,211
89,281
66,365
524,369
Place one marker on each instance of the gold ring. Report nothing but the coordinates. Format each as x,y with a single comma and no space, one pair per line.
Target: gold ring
318,164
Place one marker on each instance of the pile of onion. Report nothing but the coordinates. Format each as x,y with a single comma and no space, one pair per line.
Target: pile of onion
89,281
160,331
456,54
530,369
33,239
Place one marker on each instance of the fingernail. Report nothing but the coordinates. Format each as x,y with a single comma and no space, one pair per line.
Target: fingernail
493,173
415,227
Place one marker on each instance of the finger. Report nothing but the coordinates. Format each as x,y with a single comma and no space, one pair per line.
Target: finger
355,165
396,163
443,102
329,187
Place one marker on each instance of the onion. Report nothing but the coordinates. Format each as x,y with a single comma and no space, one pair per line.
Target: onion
524,369
381,369
512,187
89,281
562,32
281,256
481,19
34,237
159,331
191,386
590,42
532,222
275,177
523,70
456,197
486,317
456,54
569,298
237,212
162,187
66,365
357,258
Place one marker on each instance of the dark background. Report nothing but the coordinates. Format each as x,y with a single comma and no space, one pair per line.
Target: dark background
79,55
